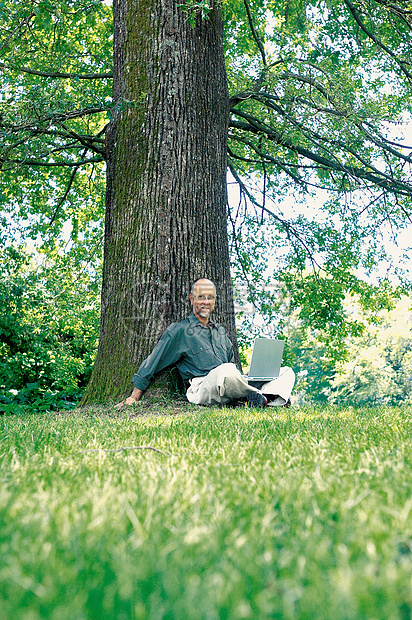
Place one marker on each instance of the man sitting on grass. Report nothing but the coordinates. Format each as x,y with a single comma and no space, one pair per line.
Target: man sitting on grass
203,355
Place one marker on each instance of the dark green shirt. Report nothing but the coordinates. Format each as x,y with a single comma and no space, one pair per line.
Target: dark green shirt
190,346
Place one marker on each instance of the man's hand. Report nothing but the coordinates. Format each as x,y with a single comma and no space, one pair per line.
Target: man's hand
133,398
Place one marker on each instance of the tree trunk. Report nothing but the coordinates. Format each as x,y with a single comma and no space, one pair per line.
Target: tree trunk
166,220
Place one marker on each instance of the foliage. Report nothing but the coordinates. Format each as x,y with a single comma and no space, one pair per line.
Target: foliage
319,92
307,308
196,10
53,111
369,364
379,366
239,515
48,329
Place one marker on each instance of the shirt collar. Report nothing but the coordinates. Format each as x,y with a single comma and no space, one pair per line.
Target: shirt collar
196,323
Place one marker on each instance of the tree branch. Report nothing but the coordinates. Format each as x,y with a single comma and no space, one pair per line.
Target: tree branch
307,80
51,119
58,74
37,162
289,229
256,127
284,166
378,42
313,136
66,193
123,449
24,22
255,33
83,140
268,99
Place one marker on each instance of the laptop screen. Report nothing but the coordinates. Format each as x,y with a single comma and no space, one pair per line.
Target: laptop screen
266,359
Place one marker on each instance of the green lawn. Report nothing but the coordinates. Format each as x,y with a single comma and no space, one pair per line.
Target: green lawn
289,513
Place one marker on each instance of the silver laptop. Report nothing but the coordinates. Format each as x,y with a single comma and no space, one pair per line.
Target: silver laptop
266,359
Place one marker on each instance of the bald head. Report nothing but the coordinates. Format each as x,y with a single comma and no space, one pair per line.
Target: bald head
202,282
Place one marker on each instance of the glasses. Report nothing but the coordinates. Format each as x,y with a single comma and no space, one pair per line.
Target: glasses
206,297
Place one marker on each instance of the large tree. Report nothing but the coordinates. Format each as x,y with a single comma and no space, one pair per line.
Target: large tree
166,222
313,91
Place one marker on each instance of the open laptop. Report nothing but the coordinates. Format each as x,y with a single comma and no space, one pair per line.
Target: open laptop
266,359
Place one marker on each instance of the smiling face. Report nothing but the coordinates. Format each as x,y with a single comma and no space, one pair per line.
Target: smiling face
203,299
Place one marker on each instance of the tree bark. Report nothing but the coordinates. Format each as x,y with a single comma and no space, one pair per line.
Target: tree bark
166,219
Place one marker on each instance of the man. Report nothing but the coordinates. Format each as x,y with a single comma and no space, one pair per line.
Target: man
203,355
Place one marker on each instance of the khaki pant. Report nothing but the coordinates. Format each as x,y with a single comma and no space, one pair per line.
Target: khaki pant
225,383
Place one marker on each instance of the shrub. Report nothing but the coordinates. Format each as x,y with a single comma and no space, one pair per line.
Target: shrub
48,331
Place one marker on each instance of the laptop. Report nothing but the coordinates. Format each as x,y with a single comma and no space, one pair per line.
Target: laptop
266,359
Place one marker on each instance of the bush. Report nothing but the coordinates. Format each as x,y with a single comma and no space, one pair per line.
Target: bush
48,331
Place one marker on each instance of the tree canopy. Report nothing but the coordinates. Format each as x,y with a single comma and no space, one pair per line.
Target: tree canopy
318,91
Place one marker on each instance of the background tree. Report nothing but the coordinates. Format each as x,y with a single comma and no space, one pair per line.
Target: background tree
378,368
319,352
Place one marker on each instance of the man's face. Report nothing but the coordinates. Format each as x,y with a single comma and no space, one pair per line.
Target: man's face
203,298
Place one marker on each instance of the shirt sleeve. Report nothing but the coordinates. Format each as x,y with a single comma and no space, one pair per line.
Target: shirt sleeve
166,352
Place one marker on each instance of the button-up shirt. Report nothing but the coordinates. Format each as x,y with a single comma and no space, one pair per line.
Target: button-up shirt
195,349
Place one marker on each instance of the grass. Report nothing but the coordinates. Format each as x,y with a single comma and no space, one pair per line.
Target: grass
289,513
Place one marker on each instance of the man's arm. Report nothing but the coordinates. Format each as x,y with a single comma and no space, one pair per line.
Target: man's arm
166,352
